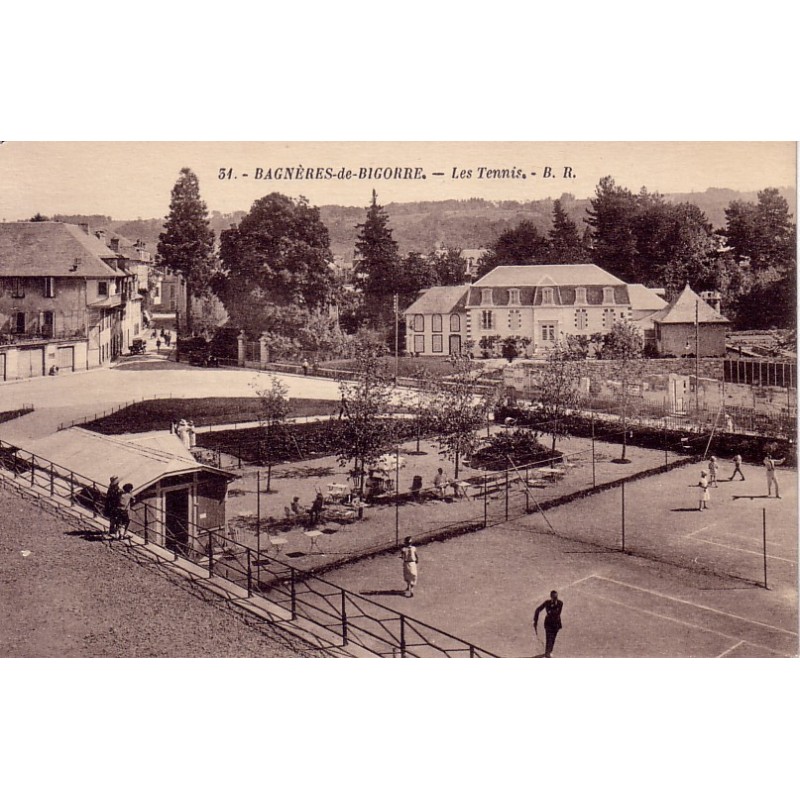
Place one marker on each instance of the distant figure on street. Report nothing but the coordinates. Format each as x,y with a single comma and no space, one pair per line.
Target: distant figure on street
712,472
410,561
439,482
158,345
704,493
305,367
552,621
770,463
111,506
123,513
737,467
729,423
316,509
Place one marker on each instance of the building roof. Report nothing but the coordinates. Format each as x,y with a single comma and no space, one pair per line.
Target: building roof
52,249
563,295
440,300
556,274
141,462
644,299
685,307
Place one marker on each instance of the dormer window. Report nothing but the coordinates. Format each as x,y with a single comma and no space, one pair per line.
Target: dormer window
580,296
608,296
513,297
486,297
547,296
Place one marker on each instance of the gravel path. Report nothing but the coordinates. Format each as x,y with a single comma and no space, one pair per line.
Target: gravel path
65,594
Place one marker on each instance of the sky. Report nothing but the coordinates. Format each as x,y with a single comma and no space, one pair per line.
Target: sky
130,180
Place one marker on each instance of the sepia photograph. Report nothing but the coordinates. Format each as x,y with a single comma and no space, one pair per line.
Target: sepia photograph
430,400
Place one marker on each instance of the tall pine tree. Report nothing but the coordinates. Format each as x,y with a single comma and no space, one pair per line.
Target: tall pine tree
186,245
566,244
377,262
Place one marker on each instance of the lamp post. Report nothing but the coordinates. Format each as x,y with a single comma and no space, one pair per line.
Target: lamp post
697,360
396,304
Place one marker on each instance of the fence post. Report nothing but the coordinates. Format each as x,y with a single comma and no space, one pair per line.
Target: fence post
764,541
210,554
71,489
594,476
402,636
52,480
506,494
623,517
294,595
485,500
33,469
527,500
94,499
344,617
146,524
249,573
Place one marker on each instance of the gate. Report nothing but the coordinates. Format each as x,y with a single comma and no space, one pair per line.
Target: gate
30,363
66,358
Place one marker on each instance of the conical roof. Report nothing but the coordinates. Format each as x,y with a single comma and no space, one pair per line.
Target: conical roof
687,307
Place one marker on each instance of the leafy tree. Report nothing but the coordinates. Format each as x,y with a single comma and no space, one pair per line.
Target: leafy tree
458,409
566,243
624,344
559,388
272,416
276,266
37,217
365,405
186,245
377,262
449,268
522,244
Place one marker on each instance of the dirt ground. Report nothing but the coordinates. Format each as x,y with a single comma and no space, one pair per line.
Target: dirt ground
66,594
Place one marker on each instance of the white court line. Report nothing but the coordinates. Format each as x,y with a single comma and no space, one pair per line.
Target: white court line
700,530
742,550
580,580
731,649
698,605
685,623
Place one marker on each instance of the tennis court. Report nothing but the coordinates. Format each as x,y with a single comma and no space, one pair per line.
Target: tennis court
690,583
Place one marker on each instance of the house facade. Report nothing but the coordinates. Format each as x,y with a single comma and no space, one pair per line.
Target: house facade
436,322
66,300
544,304
689,326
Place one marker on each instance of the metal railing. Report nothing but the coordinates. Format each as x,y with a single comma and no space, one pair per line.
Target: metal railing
357,620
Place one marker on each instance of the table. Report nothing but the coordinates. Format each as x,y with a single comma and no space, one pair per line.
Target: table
277,542
551,473
337,491
313,536
460,489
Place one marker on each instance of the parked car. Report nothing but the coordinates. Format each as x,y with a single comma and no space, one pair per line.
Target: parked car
137,347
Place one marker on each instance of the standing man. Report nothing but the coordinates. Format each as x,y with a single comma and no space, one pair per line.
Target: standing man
111,506
737,467
552,621
712,472
410,561
770,463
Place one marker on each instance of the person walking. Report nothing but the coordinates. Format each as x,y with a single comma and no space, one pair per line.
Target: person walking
704,493
712,472
552,621
111,505
305,366
410,561
770,463
158,345
737,467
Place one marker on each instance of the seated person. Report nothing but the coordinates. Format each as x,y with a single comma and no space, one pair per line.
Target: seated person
440,482
295,507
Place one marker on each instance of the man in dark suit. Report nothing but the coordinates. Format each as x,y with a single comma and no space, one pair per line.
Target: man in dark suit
552,621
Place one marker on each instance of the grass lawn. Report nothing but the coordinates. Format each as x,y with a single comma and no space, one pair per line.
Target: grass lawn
158,414
435,366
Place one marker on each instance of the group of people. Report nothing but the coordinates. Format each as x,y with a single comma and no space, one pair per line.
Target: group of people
708,477
117,508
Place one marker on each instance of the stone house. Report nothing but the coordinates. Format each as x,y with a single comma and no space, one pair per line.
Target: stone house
436,321
689,326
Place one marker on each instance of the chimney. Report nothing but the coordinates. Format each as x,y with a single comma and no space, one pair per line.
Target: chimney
714,299
113,243
101,235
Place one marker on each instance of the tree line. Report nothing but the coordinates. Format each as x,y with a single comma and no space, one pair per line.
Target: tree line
273,269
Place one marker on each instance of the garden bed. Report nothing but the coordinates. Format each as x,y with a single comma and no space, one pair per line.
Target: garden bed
151,415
